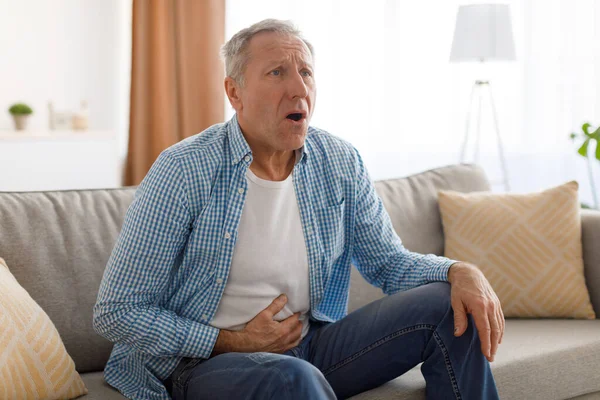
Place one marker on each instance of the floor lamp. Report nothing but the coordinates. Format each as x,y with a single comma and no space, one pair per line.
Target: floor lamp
483,33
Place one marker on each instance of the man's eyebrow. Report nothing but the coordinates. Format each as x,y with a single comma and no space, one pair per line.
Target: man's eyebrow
307,64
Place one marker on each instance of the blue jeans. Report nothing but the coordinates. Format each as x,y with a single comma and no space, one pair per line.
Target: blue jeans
363,350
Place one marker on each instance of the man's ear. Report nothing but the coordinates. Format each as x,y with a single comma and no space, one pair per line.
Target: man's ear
232,89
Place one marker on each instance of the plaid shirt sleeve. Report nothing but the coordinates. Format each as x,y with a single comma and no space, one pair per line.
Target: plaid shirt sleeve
155,231
379,254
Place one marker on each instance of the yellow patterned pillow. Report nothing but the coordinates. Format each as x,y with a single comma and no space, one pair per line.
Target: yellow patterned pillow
527,245
34,363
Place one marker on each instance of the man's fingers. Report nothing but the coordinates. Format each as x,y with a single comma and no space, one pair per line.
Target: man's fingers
503,323
482,323
291,321
277,305
460,318
496,332
500,325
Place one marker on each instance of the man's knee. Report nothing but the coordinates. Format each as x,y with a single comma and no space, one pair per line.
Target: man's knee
297,370
440,303
299,377
436,300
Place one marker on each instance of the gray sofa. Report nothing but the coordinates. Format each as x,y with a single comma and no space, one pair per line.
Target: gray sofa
57,245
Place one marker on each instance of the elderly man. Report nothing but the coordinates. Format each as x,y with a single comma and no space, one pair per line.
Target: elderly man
230,277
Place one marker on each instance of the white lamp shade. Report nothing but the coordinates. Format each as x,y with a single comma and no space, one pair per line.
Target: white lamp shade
483,33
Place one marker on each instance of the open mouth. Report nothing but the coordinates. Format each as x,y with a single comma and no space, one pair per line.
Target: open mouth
295,116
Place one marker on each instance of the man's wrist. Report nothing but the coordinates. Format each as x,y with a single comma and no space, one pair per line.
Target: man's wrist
453,269
229,341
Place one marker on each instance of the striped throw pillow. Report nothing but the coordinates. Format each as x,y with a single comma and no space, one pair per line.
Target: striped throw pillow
527,245
34,363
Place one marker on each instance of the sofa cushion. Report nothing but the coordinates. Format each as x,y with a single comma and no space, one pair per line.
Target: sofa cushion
33,359
590,236
532,363
57,245
412,205
99,389
527,245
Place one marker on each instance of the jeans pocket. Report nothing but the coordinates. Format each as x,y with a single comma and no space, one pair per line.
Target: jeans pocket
297,351
179,377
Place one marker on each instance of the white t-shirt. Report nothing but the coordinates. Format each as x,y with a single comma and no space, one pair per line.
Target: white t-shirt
269,257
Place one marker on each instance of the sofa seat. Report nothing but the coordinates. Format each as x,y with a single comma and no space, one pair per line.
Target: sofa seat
538,359
57,245
98,389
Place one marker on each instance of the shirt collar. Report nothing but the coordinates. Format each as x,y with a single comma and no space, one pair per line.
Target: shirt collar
239,148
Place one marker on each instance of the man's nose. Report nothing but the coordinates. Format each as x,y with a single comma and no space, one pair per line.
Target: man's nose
297,87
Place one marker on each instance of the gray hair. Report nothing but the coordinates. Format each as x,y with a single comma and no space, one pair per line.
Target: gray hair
235,52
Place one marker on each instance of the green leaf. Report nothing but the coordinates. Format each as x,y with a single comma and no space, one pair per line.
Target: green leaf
585,128
584,148
20,109
597,150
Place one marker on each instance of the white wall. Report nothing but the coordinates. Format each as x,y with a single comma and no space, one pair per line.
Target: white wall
385,83
67,51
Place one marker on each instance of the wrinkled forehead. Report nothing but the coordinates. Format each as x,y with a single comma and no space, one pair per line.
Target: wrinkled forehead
273,46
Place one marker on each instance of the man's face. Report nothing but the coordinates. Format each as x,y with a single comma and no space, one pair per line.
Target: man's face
275,104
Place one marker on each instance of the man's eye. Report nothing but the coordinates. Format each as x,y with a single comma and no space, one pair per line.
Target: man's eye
306,73
276,72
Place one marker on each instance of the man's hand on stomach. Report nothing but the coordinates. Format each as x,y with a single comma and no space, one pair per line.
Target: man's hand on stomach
263,333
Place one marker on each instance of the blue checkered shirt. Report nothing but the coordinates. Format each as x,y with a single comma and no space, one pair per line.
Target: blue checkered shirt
170,264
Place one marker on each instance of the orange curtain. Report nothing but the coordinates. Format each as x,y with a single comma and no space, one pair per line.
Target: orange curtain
176,76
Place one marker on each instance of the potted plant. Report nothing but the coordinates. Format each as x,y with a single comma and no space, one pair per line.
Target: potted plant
20,113
584,150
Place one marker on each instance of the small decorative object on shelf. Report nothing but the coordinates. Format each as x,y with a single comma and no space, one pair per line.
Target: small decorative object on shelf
80,119
20,113
59,120
585,151
67,120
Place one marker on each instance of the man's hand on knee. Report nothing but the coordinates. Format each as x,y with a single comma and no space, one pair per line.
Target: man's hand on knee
473,294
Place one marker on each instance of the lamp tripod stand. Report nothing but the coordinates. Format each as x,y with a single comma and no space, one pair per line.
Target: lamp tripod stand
478,88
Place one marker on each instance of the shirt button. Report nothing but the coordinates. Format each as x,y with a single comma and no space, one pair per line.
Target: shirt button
219,281
241,190
227,235
205,317
247,158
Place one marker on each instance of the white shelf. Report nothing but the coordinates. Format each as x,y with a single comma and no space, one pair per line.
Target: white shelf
36,135
58,160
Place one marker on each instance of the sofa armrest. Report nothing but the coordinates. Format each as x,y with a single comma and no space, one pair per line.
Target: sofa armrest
590,237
